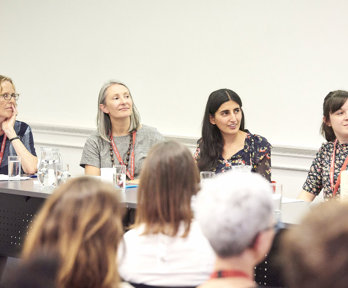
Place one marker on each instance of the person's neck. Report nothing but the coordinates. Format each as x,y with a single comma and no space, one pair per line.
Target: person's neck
343,140
120,127
244,263
233,139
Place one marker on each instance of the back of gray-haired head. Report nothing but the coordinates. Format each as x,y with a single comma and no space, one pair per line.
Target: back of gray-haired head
103,119
232,209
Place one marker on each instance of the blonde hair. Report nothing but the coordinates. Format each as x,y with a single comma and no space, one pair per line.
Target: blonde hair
4,79
168,180
81,223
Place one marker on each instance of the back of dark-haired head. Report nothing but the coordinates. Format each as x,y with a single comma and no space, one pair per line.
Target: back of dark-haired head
38,271
168,180
211,143
332,102
314,254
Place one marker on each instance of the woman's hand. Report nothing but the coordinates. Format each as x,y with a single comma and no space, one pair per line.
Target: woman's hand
133,182
8,124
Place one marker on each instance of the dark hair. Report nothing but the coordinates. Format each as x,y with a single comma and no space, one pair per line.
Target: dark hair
314,257
38,271
332,102
211,144
168,180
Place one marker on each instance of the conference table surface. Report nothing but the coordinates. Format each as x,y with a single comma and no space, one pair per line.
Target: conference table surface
21,200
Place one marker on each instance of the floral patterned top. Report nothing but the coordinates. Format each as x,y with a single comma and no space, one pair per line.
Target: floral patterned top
256,153
319,174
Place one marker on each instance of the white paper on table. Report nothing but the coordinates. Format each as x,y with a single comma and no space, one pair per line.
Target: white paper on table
4,177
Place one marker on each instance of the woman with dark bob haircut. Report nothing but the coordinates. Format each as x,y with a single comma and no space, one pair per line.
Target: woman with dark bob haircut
225,142
166,246
332,156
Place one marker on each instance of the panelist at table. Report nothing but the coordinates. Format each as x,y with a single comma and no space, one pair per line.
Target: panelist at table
120,138
16,137
332,157
225,142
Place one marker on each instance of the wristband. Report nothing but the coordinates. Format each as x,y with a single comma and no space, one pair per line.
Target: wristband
14,138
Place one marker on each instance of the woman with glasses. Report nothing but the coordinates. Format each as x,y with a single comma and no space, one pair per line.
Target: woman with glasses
120,138
16,137
235,213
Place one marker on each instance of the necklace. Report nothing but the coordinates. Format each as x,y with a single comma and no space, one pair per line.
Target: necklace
129,155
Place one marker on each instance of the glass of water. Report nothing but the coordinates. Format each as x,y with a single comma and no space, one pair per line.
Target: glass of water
14,167
277,190
119,179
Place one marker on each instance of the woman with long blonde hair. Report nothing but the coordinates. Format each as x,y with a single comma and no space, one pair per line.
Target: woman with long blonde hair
81,224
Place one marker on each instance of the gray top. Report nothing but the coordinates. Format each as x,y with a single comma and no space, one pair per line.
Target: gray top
97,151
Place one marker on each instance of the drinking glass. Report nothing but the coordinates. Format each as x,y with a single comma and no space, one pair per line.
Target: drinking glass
14,168
63,173
277,190
119,178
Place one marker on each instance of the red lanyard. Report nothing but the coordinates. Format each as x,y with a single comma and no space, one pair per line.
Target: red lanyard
2,148
229,274
119,158
334,187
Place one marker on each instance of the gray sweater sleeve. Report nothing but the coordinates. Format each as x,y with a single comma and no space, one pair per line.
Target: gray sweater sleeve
91,152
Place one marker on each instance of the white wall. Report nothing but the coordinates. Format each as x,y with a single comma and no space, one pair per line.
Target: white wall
281,57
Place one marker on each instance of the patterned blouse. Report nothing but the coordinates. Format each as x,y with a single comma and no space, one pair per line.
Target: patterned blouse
319,174
256,153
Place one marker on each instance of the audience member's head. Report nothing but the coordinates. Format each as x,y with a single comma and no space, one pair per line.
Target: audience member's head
168,180
81,223
315,253
235,212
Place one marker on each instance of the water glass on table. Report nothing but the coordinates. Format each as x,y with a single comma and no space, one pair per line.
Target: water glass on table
119,178
277,190
14,168
63,173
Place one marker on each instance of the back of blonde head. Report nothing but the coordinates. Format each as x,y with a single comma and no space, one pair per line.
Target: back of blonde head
81,223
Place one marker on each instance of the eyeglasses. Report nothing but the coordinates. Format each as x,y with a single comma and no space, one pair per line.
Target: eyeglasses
8,96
